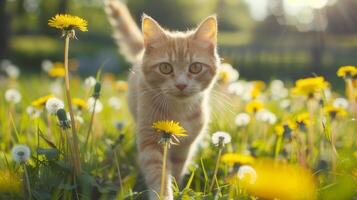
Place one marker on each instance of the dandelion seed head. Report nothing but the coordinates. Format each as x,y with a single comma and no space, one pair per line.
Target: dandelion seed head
227,73
98,105
242,119
266,116
221,136
285,103
115,103
90,81
53,105
13,96
33,112
237,88
78,118
56,88
10,69
21,153
340,103
46,65
247,174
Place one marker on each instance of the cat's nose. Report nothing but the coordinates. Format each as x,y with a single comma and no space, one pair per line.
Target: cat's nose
181,86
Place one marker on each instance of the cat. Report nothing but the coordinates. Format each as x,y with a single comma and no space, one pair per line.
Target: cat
171,79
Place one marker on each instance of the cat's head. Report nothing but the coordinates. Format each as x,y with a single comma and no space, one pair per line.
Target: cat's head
180,64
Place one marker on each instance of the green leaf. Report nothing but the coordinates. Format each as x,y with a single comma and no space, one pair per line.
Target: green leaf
63,165
190,180
50,154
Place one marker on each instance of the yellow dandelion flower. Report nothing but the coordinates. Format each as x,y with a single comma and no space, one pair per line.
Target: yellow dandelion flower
227,73
309,86
40,102
292,124
235,158
10,182
57,72
255,93
278,180
223,76
260,85
347,71
300,121
279,129
333,111
121,86
169,127
79,103
68,22
254,106
303,118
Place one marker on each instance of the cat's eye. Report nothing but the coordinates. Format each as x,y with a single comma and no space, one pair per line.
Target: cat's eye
165,68
196,68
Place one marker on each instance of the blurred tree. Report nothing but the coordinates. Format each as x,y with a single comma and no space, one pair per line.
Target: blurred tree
48,9
233,15
4,29
179,14
342,17
62,6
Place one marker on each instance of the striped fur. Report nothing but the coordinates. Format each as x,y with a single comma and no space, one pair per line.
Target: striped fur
155,96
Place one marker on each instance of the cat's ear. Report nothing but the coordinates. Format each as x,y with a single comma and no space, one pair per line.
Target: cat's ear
207,31
152,31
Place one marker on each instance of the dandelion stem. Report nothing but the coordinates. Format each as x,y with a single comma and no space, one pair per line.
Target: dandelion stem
216,168
118,169
163,175
351,98
77,163
27,181
278,146
310,129
91,122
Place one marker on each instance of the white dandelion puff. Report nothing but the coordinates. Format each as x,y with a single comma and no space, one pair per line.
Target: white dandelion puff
114,102
53,105
56,88
21,153
237,88
242,119
285,103
46,65
78,118
229,73
340,103
13,96
98,105
266,116
33,112
10,69
247,173
220,136
278,90
90,82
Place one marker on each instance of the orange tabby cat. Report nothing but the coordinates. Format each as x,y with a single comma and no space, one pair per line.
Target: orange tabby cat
171,78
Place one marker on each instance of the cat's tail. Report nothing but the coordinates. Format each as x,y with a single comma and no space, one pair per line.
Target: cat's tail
125,31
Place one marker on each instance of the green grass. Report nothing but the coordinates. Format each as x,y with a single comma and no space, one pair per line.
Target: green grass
112,148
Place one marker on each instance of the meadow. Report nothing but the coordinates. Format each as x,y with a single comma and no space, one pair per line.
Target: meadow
266,140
